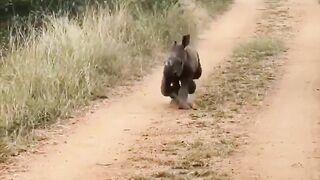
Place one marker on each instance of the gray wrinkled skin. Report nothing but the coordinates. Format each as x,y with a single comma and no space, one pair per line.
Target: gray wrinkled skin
180,70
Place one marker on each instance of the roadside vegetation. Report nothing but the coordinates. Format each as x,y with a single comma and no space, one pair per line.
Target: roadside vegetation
243,80
51,69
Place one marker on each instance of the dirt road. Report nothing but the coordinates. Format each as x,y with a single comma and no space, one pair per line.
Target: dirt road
98,138
286,137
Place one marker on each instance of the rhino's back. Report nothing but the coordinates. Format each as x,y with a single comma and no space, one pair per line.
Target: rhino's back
192,58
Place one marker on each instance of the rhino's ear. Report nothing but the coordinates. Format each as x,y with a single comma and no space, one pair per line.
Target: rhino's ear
186,40
174,43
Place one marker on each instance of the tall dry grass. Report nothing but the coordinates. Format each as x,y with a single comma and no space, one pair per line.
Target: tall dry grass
50,72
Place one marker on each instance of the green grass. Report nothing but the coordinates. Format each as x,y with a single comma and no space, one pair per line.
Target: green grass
47,74
216,6
244,79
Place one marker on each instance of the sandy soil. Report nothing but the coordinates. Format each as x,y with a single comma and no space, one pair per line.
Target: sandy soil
285,139
283,136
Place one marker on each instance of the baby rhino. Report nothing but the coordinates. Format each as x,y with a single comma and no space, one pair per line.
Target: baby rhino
180,70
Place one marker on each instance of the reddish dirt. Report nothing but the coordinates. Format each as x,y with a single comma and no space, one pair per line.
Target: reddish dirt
285,139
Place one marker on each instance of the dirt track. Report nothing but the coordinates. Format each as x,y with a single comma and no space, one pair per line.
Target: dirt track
285,139
286,136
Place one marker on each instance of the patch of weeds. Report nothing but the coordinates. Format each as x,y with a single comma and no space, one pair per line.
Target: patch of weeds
138,178
203,174
225,147
163,174
201,150
243,80
158,175
259,49
216,6
179,143
4,151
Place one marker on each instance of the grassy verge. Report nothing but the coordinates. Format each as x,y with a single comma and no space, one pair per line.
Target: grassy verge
243,80
217,7
48,73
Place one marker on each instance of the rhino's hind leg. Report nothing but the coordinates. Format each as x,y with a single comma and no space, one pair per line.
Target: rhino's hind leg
192,87
170,88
